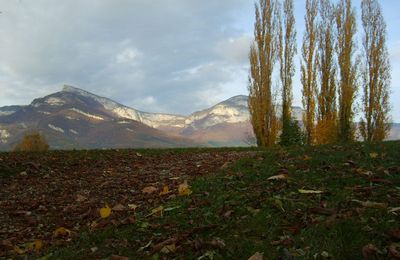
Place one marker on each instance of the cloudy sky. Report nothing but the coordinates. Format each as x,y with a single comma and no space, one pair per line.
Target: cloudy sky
173,56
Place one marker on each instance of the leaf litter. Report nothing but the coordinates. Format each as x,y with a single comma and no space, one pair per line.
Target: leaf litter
68,192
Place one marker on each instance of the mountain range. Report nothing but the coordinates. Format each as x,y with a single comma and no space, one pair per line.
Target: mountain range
76,119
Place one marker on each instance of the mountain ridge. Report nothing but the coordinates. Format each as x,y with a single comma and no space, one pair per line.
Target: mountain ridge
76,118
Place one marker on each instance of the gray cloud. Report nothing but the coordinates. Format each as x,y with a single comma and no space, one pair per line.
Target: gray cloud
175,57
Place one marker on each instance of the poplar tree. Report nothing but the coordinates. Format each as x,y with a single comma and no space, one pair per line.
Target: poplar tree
376,74
263,56
326,130
346,29
287,50
309,69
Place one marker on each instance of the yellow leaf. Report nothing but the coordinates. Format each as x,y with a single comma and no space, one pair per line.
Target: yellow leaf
307,158
149,189
61,231
184,189
105,212
38,244
169,249
159,210
373,155
18,250
165,191
310,191
278,177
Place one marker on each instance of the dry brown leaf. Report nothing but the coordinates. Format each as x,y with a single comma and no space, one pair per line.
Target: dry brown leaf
118,257
80,198
257,256
119,207
371,204
133,206
149,189
168,249
369,251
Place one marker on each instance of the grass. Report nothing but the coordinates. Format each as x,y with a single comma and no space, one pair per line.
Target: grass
237,212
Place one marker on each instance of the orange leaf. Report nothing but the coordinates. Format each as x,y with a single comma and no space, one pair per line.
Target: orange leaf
165,191
61,231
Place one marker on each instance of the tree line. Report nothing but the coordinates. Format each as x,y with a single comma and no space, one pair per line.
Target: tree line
334,70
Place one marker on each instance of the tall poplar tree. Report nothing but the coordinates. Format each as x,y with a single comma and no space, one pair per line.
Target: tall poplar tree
346,29
326,131
376,74
263,56
309,69
287,50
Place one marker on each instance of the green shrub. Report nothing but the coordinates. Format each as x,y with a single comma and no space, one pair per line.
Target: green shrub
291,134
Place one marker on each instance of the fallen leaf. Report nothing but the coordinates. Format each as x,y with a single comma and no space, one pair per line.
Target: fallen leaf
61,231
228,213
145,246
278,177
391,210
257,256
184,189
394,251
323,211
307,158
395,234
132,206
168,249
38,244
373,155
119,207
18,250
118,257
165,191
159,210
80,198
371,204
105,212
369,251
149,189
310,191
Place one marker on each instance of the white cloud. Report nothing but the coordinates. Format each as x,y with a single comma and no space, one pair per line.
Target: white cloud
235,50
127,55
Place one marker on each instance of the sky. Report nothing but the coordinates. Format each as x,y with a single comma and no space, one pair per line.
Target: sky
170,56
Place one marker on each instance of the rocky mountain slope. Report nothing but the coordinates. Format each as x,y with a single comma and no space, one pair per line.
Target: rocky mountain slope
74,118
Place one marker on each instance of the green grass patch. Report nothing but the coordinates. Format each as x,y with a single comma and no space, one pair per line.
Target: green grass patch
238,212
